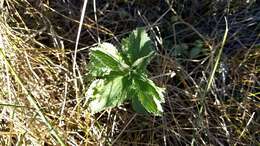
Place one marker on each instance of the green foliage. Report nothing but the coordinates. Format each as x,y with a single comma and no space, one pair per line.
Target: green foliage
197,49
184,51
122,76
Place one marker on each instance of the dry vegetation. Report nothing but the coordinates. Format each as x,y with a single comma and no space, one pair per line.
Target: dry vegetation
43,85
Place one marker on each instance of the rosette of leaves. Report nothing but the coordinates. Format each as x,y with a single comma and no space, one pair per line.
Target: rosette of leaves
122,76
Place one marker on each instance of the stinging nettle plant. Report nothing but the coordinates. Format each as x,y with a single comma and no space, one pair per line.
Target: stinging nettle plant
122,76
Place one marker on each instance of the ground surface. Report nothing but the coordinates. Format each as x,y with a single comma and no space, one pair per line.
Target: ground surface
41,88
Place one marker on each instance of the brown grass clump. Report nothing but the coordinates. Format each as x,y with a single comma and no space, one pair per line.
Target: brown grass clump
44,76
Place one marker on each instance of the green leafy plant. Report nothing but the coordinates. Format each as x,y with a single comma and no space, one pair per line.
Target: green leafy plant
182,51
122,76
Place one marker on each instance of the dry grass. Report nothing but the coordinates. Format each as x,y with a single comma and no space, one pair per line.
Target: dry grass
43,85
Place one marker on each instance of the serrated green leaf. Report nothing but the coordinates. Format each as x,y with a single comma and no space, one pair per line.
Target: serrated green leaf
142,62
148,85
108,49
108,57
97,69
155,89
136,104
137,45
149,95
107,93
150,103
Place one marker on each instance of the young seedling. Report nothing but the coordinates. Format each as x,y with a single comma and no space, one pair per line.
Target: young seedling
122,76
